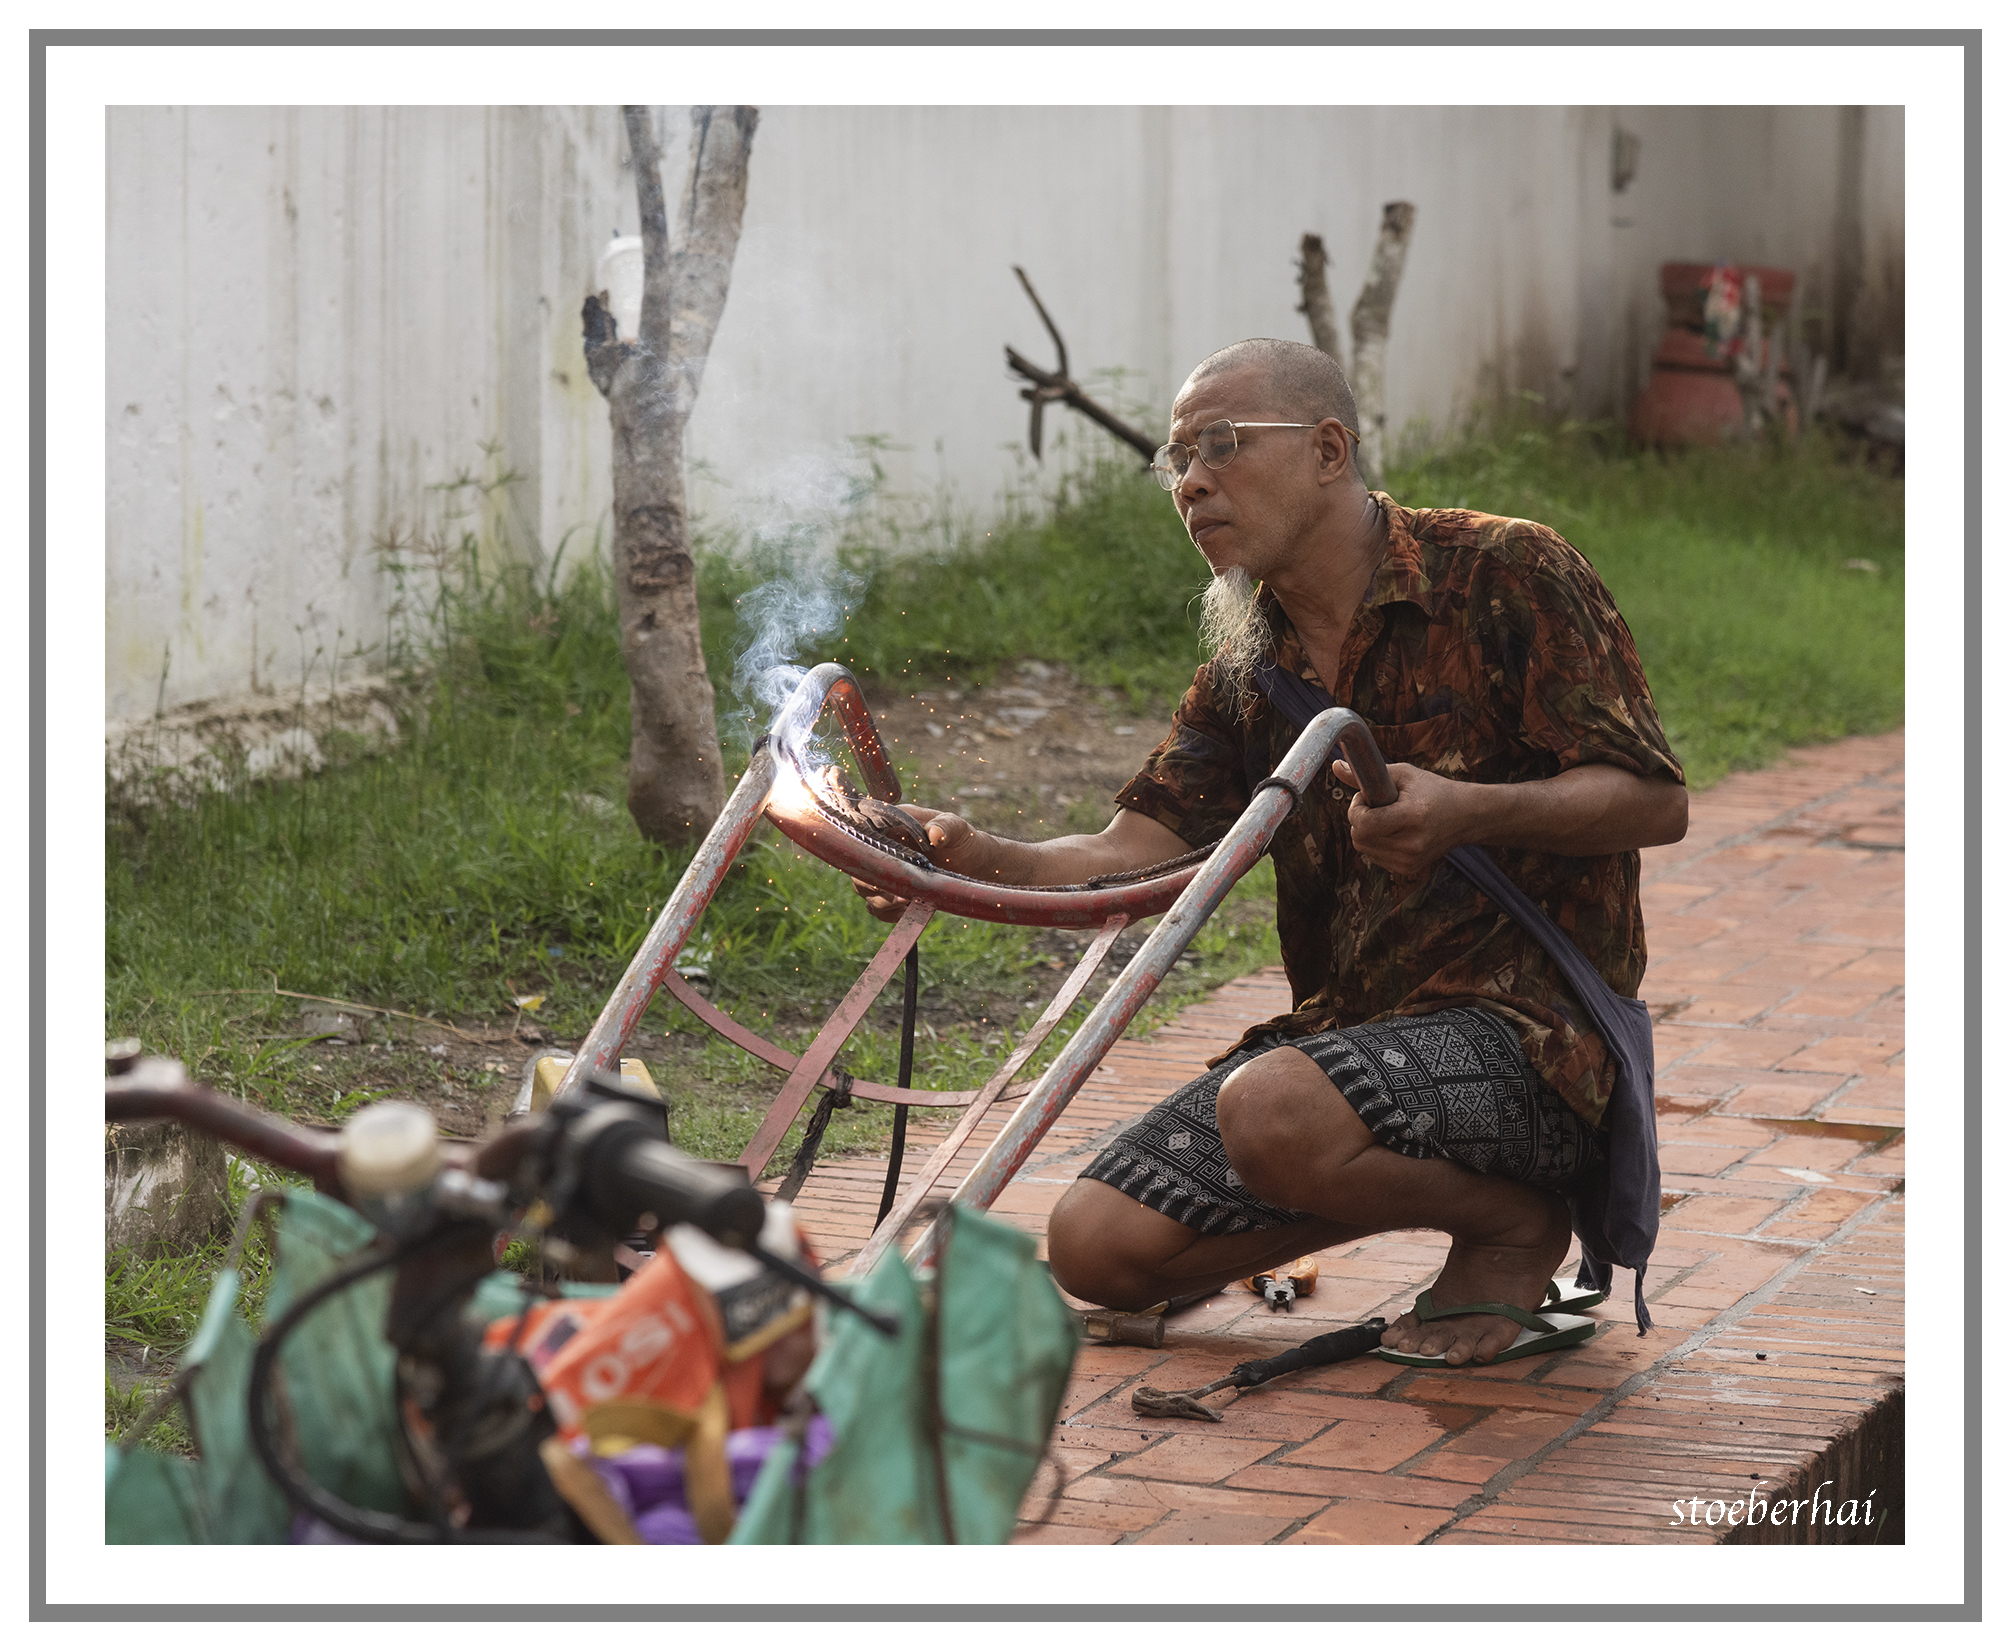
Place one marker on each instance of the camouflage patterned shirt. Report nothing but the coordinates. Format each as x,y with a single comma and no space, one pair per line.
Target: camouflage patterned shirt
1488,650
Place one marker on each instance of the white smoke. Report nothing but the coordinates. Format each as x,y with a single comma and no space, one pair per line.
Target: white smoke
791,621
782,620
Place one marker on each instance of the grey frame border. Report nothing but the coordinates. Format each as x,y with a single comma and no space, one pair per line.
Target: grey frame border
1970,1610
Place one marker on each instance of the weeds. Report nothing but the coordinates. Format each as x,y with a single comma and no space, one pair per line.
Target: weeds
154,1306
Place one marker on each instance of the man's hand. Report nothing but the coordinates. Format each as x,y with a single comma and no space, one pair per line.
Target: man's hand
1131,841
954,844
1594,809
1407,836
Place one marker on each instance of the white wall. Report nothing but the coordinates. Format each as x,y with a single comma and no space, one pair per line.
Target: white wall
319,314
315,317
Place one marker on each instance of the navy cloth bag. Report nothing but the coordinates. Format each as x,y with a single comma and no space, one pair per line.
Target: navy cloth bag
1616,1209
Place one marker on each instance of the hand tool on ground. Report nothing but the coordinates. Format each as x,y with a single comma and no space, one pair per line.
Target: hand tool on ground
1322,1350
1281,1287
1145,1329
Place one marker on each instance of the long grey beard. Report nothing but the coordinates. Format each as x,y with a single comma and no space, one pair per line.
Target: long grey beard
1234,630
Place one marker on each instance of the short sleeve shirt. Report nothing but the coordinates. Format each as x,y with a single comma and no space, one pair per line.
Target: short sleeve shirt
1487,650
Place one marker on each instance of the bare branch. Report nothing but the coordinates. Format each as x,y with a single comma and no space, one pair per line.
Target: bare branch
1369,325
1314,302
653,332
1045,387
709,229
1061,349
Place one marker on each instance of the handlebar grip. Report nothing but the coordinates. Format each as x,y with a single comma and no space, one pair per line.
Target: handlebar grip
1358,745
629,1170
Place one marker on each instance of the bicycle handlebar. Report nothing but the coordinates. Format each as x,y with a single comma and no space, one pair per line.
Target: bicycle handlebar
1358,745
157,1089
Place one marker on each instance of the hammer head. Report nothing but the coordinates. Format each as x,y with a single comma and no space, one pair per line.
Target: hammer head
1159,1402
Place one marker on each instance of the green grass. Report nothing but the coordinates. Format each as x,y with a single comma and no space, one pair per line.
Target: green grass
1730,567
489,853
154,1306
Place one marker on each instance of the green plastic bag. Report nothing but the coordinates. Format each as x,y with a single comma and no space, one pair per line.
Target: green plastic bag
337,1370
999,1346
1001,1341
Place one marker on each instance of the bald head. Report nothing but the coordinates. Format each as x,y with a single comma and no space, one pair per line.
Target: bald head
1299,382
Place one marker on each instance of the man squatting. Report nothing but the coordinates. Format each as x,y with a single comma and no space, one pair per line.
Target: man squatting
1437,1071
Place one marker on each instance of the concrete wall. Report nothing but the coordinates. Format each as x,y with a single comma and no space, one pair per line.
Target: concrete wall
319,315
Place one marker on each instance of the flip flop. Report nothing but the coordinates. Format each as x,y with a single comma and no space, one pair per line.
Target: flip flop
1541,1333
1563,1296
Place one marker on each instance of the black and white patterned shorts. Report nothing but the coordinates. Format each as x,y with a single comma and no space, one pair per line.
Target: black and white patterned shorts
1449,1085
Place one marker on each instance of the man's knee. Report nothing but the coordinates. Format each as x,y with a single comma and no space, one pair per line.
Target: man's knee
1281,1118
1262,1130
1103,1246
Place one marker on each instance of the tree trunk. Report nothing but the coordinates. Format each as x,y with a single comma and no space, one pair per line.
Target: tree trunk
1369,326
1314,302
676,783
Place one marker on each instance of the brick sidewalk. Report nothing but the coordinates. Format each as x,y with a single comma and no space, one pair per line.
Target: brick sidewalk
1775,977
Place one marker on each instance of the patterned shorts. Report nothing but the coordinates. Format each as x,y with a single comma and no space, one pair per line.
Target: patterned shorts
1449,1085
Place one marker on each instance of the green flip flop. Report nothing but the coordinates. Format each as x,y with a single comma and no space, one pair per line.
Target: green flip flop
1544,1333
1563,1296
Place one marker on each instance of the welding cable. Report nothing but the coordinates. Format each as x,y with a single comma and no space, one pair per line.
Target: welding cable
366,1525
908,991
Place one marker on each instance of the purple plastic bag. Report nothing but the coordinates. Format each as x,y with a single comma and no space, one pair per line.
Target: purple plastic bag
649,1480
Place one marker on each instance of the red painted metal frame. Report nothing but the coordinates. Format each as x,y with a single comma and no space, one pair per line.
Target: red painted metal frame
1234,856
787,751
601,1052
776,1056
831,1037
996,1088
962,897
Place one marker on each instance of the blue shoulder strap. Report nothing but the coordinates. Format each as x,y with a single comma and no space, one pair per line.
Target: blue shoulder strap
1619,1213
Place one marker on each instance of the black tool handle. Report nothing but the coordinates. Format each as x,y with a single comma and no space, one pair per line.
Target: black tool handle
1322,1350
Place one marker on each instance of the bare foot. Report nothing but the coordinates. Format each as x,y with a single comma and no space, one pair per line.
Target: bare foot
1511,1266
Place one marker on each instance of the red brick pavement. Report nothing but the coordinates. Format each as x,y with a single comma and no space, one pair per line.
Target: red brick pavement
1775,943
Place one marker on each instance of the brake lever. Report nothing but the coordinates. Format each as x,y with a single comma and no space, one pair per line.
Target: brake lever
886,1324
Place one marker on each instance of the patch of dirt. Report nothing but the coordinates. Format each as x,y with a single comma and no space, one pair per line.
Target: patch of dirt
1034,754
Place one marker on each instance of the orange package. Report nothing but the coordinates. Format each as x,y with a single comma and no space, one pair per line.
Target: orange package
698,1342
696,1331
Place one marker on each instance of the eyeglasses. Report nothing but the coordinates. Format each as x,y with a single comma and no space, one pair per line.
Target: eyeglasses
1216,446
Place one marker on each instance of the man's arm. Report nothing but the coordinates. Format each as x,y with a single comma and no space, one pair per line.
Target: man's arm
1131,841
1593,809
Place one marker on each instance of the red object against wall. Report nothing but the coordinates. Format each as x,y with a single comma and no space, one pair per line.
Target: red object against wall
1692,399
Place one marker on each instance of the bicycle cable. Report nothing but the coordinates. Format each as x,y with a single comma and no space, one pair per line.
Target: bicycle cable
367,1525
